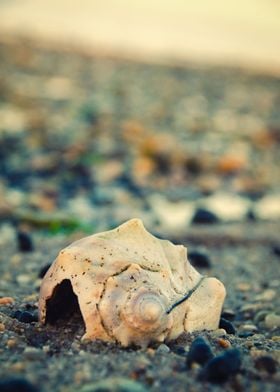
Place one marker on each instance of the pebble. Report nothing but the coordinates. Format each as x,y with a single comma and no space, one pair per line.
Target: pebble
24,279
248,327
248,308
224,343
228,314
200,352
114,384
272,320
220,368
24,240
227,326
199,259
6,301
17,385
172,215
268,208
179,350
267,295
218,333
163,349
260,316
11,343
18,366
243,286
245,334
203,216
43,270
25,317
276,250
266,363
2,327
228,207
33,353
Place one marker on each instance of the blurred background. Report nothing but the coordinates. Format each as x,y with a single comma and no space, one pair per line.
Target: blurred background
167,111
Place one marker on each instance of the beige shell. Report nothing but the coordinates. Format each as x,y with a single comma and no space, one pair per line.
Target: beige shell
131,287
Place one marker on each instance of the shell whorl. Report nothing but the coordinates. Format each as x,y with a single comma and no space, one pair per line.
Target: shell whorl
145,311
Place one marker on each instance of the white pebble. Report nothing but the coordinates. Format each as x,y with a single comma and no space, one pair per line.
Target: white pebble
272,320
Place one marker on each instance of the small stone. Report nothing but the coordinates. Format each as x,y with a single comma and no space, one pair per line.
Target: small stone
179,350
218,333
6,301
227,326
43,270
220,368
114,384
223,343
199,259
2,327
267,295
200,352
248,327
228,314
25,317
276,250
249,308
276,338
11,343
256,353
150,351
33,353
243,286
260,316
266,363
17,385
18,366
171,215
245,334
163,349
231,163
274,283
272,320
203,216
249,344
46,349
25,243
268,208
228,207
24,279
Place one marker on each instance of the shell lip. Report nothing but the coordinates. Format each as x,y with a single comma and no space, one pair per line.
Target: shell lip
186,296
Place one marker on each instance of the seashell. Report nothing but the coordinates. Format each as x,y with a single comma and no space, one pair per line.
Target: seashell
131,288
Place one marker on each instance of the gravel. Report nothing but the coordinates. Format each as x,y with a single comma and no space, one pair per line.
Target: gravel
86,143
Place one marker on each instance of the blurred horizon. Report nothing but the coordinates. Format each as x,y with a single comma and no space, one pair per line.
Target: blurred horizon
237,33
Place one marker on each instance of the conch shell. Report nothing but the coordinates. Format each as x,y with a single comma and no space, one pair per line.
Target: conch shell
131,288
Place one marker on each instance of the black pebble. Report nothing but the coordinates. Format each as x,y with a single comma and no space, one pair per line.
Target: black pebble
266,363
25,243
246,334
202,216
179,350
220,368
228,314
44,270
276,250
227,326
17,385
25,317
200,352
199,259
